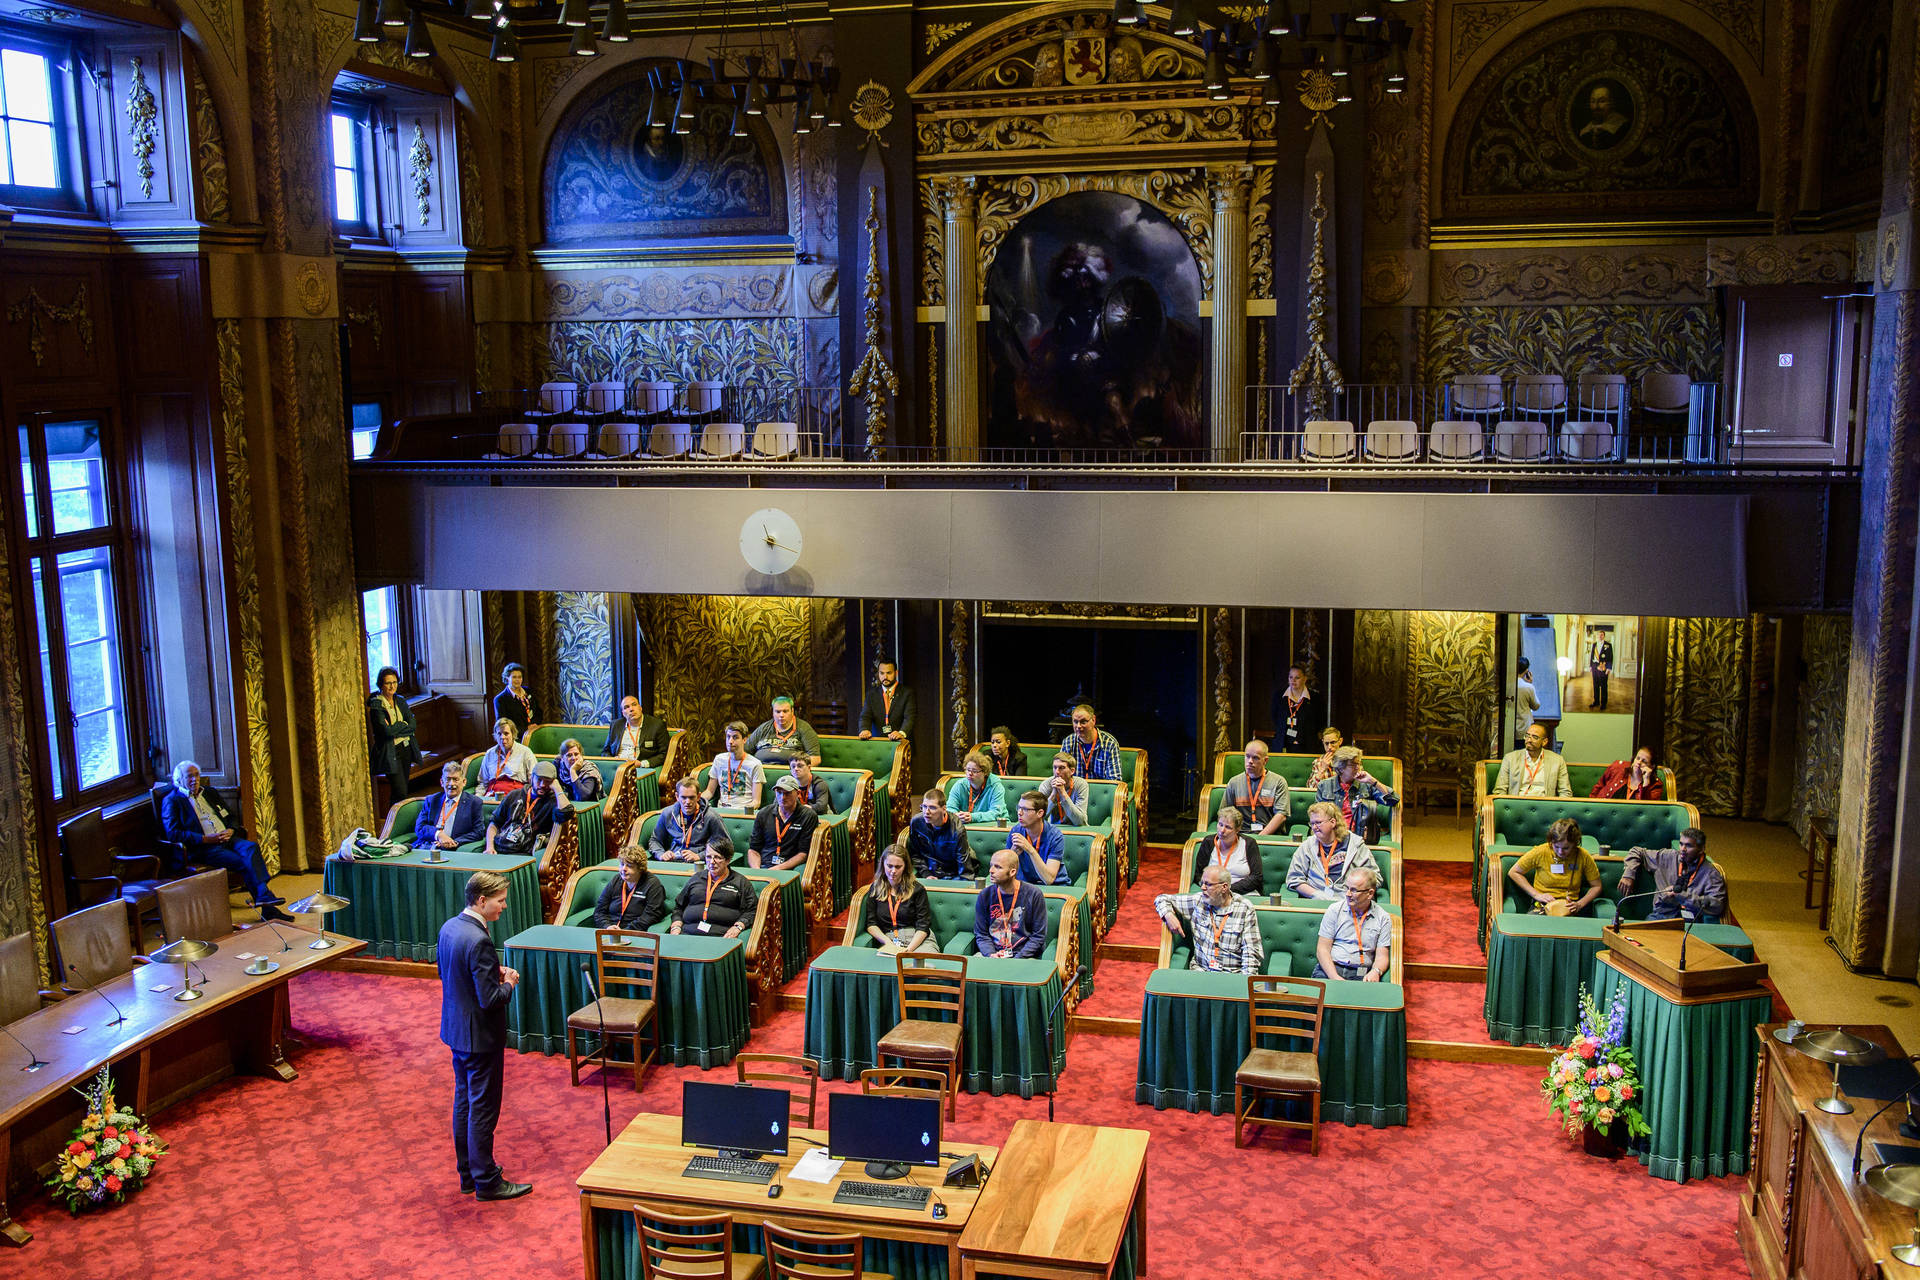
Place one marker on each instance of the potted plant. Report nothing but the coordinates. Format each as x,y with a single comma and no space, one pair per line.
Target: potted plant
1594,1083
110,1156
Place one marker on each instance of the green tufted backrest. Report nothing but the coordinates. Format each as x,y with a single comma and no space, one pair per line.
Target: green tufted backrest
1581,776
985,841
1296,768
608,765
587,886
842,784
1610,869
1276,855
875,755
1522,821
1298,801
1040,756
1294,931
545,739
952,909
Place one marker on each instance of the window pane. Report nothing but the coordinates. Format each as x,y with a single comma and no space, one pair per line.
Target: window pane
6,163
346,196
32,146
26,483
376,612
342,140
366,428
93,664
76,476
46,679
29,85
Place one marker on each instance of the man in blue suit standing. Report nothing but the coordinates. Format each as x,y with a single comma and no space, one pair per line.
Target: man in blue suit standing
474,989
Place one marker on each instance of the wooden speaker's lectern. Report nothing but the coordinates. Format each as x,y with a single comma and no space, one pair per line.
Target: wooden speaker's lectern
1654,952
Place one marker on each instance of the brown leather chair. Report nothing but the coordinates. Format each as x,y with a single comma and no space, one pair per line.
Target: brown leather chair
784,1071
933,1005
96,942
178,857
97,874
196,908
677,1246
621,958
903,1082
20,989
1288,1009
810,1255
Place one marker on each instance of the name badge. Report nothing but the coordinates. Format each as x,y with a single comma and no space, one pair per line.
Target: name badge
1686,913
1559,868
705,926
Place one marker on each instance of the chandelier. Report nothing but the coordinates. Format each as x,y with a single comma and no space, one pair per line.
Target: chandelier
1257,42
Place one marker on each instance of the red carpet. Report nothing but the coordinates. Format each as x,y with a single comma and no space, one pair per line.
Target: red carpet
1118,990
346,1172
1136,925
1453,1011
1442,922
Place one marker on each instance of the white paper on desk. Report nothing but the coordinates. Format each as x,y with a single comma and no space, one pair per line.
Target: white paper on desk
816,1166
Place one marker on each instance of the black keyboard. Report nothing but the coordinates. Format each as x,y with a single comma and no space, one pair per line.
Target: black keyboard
882,1195
722,1169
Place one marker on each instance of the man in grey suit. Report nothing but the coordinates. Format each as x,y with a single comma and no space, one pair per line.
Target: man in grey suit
1533,770
474,989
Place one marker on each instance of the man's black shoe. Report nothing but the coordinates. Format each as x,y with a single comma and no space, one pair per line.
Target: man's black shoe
271,912
503,1190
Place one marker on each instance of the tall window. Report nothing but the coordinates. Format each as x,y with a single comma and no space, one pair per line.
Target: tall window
379,614
355,201
28,154
366,430
74,554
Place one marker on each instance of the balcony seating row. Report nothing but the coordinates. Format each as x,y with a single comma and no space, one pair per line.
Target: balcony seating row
715,441
640,399
1399,441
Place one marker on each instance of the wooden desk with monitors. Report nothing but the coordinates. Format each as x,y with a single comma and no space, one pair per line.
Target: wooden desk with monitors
1065,1200
1806,1213
172,1047
645,1165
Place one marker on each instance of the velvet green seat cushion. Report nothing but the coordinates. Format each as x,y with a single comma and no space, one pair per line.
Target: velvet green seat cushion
1521,822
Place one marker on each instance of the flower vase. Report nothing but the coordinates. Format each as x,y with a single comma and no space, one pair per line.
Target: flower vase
1605,1143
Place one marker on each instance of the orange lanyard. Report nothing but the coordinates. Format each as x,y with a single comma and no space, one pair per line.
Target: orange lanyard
1533,770
626,896
1293,708
973,797
780,830
893,911
706,908
1059,806
1254,783
1001,901
1359,939
1326,867
1086,757
1222,855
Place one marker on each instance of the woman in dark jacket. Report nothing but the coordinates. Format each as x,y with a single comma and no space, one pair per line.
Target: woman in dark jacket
391,746
899,917
634,899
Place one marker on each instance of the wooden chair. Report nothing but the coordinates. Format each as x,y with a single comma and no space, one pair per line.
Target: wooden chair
96,942
196,907
785,1071
810,1255
20,989
933,987
620,958
675,1246
1278,1007
903,1082
96,874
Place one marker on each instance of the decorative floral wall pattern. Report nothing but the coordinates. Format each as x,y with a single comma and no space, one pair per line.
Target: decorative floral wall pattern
583,649
1708,690
759,360
1379,675
1822,700
711,659
1453,691
1569,339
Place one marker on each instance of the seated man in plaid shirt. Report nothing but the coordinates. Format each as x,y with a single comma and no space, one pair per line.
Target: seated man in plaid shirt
1226,934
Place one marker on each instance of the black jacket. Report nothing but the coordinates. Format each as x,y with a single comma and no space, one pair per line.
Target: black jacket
648,907
874,720
653,738
393,746
507,707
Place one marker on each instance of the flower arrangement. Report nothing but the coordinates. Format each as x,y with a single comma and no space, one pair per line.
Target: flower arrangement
112,1153
1594,1080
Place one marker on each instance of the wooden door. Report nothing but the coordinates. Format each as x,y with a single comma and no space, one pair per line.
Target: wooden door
1790,372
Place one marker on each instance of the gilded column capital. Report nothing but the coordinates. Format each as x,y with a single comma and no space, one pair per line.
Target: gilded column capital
959,197
1228,184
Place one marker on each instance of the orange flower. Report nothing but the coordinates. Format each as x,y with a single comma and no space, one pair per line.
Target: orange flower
1602,1094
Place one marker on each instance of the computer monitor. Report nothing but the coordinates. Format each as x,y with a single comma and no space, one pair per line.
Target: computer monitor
889,1133
737,1119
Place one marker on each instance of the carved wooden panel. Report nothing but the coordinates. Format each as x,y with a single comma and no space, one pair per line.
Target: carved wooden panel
140,100
55,324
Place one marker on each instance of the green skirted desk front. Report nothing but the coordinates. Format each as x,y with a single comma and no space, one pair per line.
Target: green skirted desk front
703,1001
1193,1037
1083,927
1696,1072
1536,965
399,904
853,1000
794,943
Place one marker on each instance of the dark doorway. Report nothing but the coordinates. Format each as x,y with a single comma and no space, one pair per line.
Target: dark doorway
1144,682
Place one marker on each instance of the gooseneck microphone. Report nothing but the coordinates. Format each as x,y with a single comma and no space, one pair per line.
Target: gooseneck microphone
1632,897
36,1062
284,944
1860,1140
118,1016
606,1055
1053,1079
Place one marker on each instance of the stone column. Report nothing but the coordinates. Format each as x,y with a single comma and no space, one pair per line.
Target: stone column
1872,859
1228,184
960,197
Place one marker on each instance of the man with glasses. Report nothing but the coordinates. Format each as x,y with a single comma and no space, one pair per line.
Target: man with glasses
1686,885
1039,845
1356,936
1095,752
780,739
1533,770
1225,931
936,841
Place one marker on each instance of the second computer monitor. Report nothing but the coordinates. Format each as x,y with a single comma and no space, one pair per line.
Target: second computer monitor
889,1133
744,1119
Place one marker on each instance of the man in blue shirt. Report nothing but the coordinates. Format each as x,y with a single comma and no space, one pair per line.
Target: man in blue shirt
1041,847
937,841
1095,752
1010,915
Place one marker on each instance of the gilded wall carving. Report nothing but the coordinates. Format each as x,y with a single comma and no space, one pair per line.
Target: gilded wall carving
1665,275
473,204
243,605
1453,691
550,76
759,360
959,706
1223,734
1604,110
1474,23
711,659
1180,194
1379,675
1708,687
1260,233
933,247
209,149
1745,20
22,907
938,33
670,293
1392,130
1385,279
1060,50
1568,339
1824,259
583,652
956,135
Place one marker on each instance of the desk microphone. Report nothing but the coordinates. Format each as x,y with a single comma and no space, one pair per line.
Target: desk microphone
1053,1079
284,944
1632,897
34,1065
1860,1140
1685,933
606,1055
118,1016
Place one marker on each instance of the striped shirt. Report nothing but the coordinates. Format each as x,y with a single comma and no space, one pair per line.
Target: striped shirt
1224,941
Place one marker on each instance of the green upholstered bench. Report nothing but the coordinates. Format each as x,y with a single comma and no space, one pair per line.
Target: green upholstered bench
1510,824
764,941
815,875
952,908
402,816
1276,855
1296,767
891,764
1290,936
1102,797
1582,777
1299,800
1133,772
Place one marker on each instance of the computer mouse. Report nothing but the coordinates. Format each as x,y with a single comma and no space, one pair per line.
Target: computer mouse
773,1190
939,1210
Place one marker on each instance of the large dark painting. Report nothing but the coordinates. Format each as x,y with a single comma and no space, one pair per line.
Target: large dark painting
613,177
1094,339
